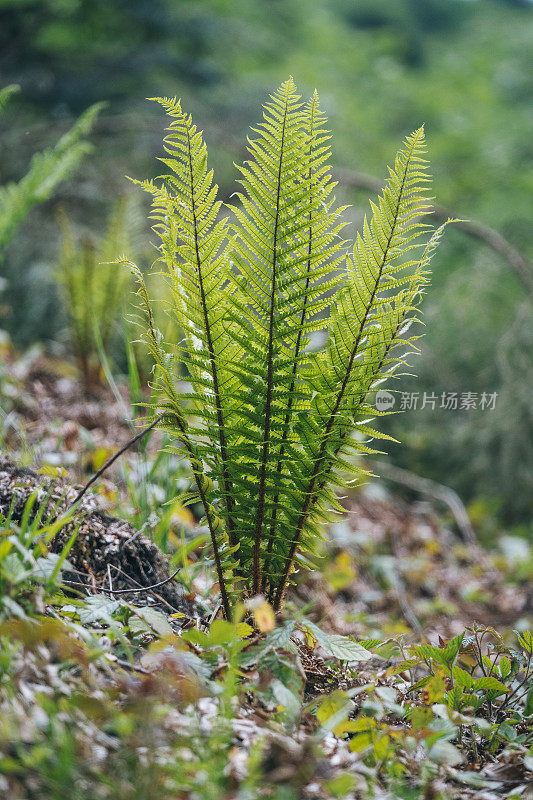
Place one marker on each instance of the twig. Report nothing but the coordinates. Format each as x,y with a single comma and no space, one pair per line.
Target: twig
214,614
127,591
114,457
145,588
519,263
131,667
132,580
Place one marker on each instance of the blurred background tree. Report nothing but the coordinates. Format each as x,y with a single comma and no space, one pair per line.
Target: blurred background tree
382,67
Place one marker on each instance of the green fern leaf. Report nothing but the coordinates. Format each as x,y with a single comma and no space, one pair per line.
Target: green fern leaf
364,327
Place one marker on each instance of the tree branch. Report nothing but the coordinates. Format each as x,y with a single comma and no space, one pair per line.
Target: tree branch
434,490
519,263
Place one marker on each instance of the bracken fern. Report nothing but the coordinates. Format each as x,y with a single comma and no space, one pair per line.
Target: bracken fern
270,422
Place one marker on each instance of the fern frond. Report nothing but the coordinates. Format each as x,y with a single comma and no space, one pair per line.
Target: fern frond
265,251
47,169
193,240
175,423
270,424
95,288
6,92
287,248
365,323
324,249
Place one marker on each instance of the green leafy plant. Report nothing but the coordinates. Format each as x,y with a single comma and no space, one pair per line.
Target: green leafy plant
28,569
474,701
485,686
271,420
94,288
47,169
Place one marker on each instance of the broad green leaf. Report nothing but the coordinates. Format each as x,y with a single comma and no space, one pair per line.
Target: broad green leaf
462,677
341,785
243,630
435,688
50,564
526,641
443,752
345,649
281,635
452,648
155,620
97,608
332,704
420,717
490,684
290,701
505,666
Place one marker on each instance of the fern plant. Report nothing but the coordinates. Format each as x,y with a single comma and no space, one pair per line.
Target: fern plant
94,288
47,169
270,422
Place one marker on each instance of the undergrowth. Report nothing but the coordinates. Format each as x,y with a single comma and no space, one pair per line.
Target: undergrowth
95,291
46,170
101,697
105,697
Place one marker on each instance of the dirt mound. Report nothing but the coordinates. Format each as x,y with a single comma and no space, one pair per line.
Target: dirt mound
105,546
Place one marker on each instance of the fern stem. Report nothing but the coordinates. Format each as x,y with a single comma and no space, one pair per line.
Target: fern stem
280,595
221,582
210,524
270,377
321,458
298,345
114,457
214,372
186,442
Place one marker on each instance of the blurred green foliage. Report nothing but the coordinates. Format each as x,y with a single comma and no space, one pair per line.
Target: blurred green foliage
47,169
96,288
383,67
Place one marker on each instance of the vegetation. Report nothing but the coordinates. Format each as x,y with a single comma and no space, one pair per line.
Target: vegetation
95,290
460,67
228,604
47,169
112,698
268,423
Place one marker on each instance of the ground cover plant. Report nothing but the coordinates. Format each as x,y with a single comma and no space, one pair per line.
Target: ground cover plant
121,696
384,67
95,293
268,424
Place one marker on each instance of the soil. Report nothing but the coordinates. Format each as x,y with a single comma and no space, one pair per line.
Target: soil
105,546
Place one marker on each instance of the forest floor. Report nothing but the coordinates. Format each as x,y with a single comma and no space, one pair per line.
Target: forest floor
401,667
